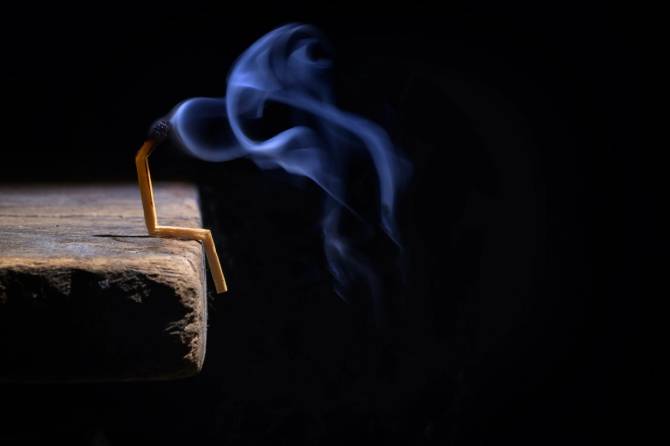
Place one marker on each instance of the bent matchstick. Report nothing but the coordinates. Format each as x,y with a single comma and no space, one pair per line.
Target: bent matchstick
156,135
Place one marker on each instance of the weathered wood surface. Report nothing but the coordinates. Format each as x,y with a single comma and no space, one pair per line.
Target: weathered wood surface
85,294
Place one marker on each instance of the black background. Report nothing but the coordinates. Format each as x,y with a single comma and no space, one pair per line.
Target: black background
516,321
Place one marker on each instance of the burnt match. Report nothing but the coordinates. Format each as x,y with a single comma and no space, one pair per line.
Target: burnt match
157,134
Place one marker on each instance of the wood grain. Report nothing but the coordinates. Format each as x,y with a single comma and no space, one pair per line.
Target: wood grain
85,294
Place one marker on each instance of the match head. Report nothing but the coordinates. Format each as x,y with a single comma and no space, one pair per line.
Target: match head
159,130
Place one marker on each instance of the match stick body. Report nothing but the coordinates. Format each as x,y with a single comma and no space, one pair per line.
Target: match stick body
151,220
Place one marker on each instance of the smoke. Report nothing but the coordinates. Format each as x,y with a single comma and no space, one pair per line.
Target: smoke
291,67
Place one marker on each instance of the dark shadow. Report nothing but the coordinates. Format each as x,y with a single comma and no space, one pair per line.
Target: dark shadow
121,236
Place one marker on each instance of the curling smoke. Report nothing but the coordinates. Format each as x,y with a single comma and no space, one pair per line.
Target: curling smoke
289,66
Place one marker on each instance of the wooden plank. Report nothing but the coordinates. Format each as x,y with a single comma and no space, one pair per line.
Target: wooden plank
85,294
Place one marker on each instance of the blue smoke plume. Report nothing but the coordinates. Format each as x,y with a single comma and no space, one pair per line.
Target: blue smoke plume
289,66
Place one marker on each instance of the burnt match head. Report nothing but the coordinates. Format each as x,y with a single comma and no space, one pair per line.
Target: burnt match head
159,130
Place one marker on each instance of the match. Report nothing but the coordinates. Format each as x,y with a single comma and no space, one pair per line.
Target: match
156,136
